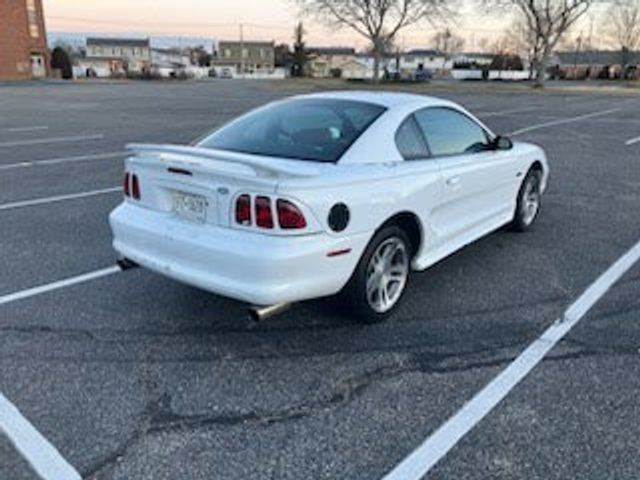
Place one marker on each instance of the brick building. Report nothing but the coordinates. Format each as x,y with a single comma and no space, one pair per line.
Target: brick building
23,40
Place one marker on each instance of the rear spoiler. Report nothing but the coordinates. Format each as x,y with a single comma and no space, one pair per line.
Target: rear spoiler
262,167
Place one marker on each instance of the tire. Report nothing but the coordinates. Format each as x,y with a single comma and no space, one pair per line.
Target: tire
529,201
385,266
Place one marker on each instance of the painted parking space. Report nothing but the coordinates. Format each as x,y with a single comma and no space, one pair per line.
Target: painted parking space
152,363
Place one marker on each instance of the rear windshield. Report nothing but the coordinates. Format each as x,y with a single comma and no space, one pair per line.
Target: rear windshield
318,130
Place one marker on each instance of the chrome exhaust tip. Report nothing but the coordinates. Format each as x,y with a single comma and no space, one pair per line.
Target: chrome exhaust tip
259,314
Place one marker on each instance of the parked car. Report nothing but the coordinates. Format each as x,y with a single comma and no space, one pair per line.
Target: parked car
226,73
331,193
422,75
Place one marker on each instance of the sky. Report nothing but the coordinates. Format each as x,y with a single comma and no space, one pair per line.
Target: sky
221,19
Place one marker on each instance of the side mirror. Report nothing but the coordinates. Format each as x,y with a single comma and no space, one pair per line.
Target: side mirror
502,143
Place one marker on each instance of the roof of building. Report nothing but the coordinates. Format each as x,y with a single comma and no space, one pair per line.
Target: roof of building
596,57
101,59
369,55
331,50
421,52
119,42
476,55
246,43
171,51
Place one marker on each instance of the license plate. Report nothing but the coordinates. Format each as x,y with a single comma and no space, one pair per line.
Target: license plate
191,207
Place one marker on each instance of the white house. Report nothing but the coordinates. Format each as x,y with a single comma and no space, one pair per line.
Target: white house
170,62
325,62
473,59
387,62
420,59
115,56
355,69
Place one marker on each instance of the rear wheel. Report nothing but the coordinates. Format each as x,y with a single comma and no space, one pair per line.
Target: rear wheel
529,201
381,277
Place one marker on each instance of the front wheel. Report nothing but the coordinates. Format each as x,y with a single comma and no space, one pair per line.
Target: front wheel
529,201
380,279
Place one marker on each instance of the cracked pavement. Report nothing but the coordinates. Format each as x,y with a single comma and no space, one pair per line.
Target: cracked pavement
134,376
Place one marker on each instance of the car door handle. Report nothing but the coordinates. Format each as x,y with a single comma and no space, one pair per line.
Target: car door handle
453,181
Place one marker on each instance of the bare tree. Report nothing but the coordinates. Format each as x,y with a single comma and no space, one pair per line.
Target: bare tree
546,21
447,43
622,28
483,44
377,20
521,40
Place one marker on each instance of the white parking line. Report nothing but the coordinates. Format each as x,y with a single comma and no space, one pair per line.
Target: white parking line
58,198
67,282
40,141
562,121
26,129
37,450
55,161
631,141
422,460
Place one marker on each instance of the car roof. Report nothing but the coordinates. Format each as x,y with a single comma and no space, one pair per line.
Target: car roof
383,98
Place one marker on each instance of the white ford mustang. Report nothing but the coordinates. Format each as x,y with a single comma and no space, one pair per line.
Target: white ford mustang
325,193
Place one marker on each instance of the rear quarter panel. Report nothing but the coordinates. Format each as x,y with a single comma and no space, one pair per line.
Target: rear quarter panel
374,193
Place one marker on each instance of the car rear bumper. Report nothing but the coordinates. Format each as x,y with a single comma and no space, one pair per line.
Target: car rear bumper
253,267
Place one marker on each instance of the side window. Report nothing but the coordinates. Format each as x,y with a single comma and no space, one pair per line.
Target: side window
410,141
449,132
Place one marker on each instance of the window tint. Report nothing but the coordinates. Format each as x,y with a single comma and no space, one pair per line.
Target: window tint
307,129
410,141
449,132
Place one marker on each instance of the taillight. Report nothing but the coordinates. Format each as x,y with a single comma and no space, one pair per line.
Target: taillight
127,185
135,187
243,210
264,219
289,216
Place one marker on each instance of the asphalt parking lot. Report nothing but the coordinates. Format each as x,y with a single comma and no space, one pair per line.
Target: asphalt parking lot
133,376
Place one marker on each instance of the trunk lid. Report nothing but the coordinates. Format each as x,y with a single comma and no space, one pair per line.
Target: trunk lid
201,184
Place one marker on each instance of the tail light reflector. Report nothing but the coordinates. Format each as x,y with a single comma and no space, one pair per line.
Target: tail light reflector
289,216
135,187
127,185
243,210
264,218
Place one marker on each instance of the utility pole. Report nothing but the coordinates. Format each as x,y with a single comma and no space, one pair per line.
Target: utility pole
242,49
575,58
447,42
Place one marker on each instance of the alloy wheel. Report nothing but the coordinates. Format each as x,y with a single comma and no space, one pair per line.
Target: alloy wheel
387,274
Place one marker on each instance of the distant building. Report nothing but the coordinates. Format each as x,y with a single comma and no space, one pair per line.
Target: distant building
244,57
412,64
425,60
116,56
356,70
170,62
594,64
472,60
325,62
23,40
388,63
